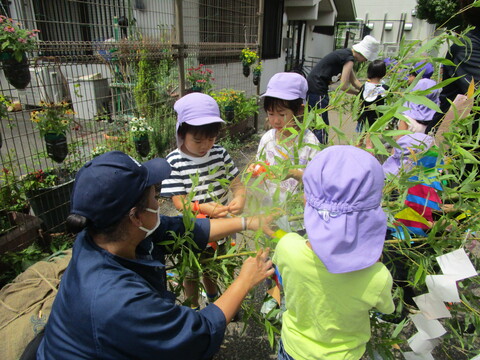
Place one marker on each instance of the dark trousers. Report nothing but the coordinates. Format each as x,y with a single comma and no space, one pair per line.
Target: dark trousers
320,102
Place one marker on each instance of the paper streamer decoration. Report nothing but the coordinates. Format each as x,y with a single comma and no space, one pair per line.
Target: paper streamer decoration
442,288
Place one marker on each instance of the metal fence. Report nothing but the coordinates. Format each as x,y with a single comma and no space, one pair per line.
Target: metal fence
108,61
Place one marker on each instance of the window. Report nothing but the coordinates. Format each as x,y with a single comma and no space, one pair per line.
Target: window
232,22
272,29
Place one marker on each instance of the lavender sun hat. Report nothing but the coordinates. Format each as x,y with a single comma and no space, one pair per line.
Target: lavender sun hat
401,158
419,111
287,86
345,223
196,109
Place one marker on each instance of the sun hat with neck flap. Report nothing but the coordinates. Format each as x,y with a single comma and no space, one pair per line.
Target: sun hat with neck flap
107,187
345,223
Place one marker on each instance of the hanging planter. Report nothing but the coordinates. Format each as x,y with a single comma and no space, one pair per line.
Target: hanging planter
196,88
52,204
16,72
256,77
57,147
142,145
246,70
229,113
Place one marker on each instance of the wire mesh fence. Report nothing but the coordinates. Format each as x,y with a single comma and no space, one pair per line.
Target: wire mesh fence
97,66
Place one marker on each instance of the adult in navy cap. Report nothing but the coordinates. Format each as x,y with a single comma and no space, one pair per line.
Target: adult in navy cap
113,301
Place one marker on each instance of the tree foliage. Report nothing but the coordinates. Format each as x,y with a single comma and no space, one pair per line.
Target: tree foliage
439,12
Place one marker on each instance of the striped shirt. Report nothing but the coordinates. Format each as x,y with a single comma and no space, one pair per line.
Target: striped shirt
208,176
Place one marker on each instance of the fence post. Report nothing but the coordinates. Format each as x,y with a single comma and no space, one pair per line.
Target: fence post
180,46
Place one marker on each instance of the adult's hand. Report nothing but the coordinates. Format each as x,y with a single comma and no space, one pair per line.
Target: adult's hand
254,271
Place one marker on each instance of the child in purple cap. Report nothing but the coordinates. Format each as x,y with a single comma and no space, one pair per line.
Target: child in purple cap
283,102
333,279
418,115
402,159
201,167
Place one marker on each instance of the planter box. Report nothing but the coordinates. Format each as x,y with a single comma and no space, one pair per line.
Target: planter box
23,235
52,205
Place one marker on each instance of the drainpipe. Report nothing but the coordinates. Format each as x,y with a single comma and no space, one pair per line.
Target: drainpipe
261,8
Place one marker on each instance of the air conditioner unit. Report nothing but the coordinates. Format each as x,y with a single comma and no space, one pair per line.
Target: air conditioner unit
45,85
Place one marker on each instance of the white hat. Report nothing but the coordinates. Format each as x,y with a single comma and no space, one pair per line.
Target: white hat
368,47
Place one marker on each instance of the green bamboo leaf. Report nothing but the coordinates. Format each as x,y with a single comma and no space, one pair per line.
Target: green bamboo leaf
399,328
418,274
422,100
467,155
394,133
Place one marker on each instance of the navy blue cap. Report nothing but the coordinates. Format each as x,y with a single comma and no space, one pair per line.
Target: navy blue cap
108,186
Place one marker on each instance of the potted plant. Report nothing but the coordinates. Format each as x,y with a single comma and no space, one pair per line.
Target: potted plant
48,193
16,41
248,58
53,120
228,100
200,78
17,228
257,73
140,129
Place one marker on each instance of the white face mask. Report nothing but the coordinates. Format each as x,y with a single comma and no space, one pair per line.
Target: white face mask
150,231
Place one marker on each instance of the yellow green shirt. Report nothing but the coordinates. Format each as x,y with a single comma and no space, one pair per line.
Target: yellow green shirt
327,314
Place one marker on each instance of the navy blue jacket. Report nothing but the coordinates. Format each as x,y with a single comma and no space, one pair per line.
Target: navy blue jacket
110,307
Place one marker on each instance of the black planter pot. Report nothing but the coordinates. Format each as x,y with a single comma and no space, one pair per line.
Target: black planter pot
17,73
196,88
142,145
256,78
246,70
52,205
229,113
57,147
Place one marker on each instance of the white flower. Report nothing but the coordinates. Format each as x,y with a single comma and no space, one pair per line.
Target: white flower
142,129
133,129
150,128
134,120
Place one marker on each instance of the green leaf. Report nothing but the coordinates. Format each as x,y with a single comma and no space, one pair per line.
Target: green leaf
422,100
418,274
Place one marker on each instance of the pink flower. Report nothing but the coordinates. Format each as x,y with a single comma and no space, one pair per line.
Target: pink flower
9,29
22,40
202,81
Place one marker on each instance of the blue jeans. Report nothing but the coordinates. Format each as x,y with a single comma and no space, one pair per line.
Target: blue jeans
282,354
320,102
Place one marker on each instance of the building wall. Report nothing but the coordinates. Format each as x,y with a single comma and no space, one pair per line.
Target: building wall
379,12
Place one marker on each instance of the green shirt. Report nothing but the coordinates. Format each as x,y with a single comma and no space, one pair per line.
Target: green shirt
327,314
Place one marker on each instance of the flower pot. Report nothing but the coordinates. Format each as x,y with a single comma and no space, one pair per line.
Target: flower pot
57,147
229,113
256,77
246,70
52,204
24,231
142,145
17,73
196,88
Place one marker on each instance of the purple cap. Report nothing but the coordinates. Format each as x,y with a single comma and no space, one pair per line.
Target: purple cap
107,187
421,66
419,111
345,223
196,109
401,158
287,86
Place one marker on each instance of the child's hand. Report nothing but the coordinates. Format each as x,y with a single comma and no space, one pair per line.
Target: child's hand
214,210
237,204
